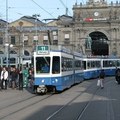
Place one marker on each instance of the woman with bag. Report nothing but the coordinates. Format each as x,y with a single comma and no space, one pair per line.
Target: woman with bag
101,79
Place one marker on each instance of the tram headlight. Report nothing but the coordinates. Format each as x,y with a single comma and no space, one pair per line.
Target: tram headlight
43,81
56,80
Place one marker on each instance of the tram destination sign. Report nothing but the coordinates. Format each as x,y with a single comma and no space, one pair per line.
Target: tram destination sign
42,49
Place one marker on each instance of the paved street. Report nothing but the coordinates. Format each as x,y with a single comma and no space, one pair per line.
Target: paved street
84,101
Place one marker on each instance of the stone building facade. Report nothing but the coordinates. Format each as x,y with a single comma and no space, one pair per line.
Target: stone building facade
94,29
24,34
98,21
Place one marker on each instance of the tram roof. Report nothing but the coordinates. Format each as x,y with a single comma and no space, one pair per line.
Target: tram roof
101,57
59,48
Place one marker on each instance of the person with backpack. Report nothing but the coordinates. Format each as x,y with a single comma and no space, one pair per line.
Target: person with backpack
102,77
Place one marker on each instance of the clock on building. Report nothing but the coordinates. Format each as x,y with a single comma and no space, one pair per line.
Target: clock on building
96,13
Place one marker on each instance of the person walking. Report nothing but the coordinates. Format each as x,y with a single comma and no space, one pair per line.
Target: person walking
4,78
101,77
117,75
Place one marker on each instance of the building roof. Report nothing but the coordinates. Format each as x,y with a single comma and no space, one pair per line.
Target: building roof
32,20
2,23
39,28
27,21
65,17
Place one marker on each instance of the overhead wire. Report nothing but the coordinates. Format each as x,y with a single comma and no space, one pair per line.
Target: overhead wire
67,10
42,8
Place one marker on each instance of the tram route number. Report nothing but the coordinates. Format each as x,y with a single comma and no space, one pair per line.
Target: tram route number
42,49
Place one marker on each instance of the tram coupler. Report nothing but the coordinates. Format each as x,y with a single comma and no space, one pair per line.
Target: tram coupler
42,89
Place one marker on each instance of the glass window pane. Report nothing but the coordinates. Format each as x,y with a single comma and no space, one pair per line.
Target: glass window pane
56,65
42,65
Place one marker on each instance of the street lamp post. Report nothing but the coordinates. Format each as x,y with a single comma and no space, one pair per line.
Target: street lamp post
8,46
6,34
36,26
21,43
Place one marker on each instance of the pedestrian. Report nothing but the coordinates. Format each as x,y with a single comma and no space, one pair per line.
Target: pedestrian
4,78
30,78
20,79
101,78
117,75
0,78
13,77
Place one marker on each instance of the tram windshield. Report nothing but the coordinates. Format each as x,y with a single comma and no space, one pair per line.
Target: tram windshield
42,65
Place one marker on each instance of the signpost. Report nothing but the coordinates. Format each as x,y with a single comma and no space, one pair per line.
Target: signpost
42,49
25,77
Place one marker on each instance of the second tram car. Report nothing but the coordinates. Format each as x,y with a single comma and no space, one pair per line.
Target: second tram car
56,69
109,65
92,66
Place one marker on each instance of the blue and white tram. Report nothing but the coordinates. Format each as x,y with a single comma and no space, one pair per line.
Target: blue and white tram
54,69
78,67
109,65
92,67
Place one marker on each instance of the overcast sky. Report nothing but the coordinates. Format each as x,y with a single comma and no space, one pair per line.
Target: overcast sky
45,8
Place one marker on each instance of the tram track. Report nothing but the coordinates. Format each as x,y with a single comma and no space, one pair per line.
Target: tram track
19,101
86,105
64,106
10,106
34,100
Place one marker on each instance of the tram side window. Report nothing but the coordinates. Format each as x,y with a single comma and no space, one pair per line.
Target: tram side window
78,65
112,63
93,65
63,64
42,64
88,64
108,64
105,63
56,65
84,65
67,64
118,63
98,65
